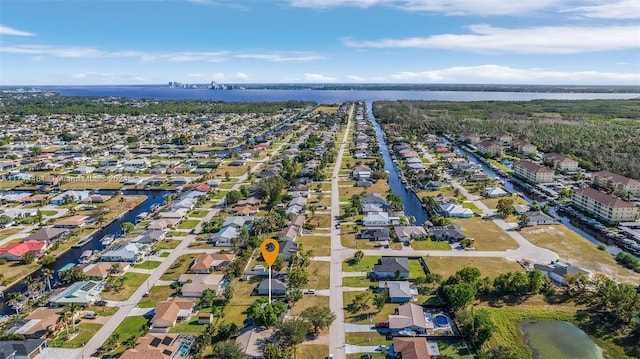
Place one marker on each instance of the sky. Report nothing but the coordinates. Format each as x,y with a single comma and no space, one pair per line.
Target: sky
100,42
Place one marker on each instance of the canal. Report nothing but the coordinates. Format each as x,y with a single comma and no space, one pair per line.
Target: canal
412,205
72,255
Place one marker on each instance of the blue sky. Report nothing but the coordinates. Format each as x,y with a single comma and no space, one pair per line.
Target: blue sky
45,42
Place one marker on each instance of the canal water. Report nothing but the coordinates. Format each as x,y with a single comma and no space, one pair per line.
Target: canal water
72,255
412,205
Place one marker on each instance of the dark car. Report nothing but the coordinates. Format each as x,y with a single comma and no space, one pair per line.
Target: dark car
366,356
100,303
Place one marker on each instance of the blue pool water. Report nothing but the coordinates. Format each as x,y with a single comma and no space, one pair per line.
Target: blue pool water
441,320
225,283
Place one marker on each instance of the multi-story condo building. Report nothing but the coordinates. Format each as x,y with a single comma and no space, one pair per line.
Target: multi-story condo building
560,162
488,148
604,206
532,172
620,184
524,147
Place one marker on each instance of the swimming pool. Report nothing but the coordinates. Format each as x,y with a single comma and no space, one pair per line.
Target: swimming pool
441,320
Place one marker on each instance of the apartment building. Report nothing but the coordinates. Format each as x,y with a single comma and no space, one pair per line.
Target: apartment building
532,172
560,162
616,182
604,206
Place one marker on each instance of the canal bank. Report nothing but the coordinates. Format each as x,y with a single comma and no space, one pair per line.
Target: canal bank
412,204
72,254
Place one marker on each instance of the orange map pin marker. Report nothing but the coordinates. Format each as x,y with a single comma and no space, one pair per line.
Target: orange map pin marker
270,250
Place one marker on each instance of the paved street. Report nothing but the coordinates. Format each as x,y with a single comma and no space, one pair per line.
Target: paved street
336,331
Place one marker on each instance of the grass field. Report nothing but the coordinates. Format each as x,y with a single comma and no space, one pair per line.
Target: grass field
365,264
87,331
147,265
4,233
370,338
312,351
430,245
242,299
321,245
490,267
190,326
362,317
157,294
358,282
188,224
329,110
573,248
380,186
493,202
129,327
415,269
320,220
309,301
486,234
131,283
455,350
13,271
166,243
198,214
179,267
234,171
318,275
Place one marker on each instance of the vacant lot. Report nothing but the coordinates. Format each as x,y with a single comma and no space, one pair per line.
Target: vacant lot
132,281
179,267
486,234
365,265
490,267
309,301
318,275
321,245
573,248
157,294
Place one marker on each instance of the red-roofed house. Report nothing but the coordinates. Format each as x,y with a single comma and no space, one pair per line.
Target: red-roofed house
604,206
15,251
202,187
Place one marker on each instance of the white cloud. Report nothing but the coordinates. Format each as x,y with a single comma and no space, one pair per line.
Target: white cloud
83,75
496,74
622,9
355,78
319,78
6,30
241,76
540,40
447,7
279,58
95,77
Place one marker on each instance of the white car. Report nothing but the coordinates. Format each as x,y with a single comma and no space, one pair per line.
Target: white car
309,291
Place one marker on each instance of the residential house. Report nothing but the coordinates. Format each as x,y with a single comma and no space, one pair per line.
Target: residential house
413,348
252,341
391,267
162,224
77,196
409,233
361,172
538,217
488,148
37,324
169,312
71,222
450,233
149,236
126,252
455,211
101,270
288,233
524,147
532,172
400,291
287,249
16,251
205,262
560,162
22,349
620,184
83,170
494,192
48,235
432,185
375,234
154,346
96,198
179,213
224,237
376,219
558,271
373,208
409,316
82,293
14,213
373,198
469,137
604,206
194,284
278,287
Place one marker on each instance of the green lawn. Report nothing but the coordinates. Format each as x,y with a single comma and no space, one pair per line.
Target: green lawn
158,294
48,213
472,207
321,245
456,350
102,311
147,265
166,244
370,338
131,283
486,234
188,224
358,282
164,254
87,331
179,267
415,269
190,326
430,245
312,351
309,301
129,327
365,265
198,214
490,267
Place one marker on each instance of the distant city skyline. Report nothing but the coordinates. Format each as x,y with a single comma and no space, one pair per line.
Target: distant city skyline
75,42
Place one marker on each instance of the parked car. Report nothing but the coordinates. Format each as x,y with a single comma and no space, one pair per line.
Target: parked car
89,315
366,356
100,303
309,291
382,325
146,294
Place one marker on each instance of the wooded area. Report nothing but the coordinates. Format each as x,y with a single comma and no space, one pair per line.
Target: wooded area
600,134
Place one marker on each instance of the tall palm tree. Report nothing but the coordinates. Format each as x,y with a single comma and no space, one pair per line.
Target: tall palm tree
17,301
47,275
73,308
62,318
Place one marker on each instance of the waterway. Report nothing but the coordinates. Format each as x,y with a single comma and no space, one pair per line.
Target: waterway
114,228
412,205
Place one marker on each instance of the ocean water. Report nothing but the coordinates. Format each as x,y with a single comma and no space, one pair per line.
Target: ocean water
320,96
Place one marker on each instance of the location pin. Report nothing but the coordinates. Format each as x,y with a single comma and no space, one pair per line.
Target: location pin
270,250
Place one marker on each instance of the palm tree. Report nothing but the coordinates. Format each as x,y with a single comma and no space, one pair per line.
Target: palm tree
62,318
47,275
73,308
17,301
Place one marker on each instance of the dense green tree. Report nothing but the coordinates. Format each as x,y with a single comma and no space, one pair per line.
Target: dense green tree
294,330
505,208
319,317
459,295
263,313
227,349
